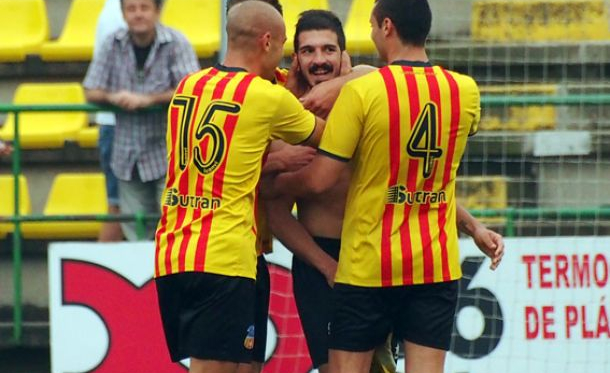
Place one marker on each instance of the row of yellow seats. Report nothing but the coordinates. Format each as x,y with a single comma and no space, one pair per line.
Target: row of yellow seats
492,20
49,130
71,194
506,21
27,24
85,194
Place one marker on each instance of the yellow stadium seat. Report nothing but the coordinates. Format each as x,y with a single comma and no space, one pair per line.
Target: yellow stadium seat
88,137
519,118
539,20
7,201
46,129
25,27
483,192
292,9
72,194
78,35
358,28
198,20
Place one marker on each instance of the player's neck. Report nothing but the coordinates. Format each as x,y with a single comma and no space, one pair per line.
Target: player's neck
407,53
241,60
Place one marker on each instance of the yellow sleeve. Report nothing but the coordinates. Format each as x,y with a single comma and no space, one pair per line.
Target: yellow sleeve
344,125
475,108
291,123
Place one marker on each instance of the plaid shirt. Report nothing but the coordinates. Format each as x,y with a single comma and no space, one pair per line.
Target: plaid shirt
139,139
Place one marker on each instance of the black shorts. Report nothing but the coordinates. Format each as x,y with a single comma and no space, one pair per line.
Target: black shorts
422,314
313,298
261,309
207,316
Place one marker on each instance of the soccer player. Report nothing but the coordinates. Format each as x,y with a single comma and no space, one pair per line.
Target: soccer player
403,129
319,45
285,159
220,122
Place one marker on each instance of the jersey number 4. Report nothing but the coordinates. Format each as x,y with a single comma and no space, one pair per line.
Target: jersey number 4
216,139
424,137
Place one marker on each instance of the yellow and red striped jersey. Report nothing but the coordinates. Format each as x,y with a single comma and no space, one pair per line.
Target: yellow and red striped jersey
264,238
405,126
220,122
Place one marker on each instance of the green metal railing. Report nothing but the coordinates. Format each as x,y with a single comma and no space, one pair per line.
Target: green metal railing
17,219
511,215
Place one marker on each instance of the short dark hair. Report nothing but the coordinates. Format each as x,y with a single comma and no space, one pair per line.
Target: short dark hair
412,18
274,3
158,3
318,19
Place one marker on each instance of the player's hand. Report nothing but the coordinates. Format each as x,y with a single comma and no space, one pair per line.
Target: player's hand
490,243
329,272
321,98
295,157
294,80
346,63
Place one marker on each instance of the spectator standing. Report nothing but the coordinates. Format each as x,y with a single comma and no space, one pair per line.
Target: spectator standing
109,21
136,68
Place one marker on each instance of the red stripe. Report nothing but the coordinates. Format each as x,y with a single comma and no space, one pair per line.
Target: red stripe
181,212
229,128
442,222
279,76
160,232
394,149
455,125
405,234
424,210
174,134
171,176
184,179
435,96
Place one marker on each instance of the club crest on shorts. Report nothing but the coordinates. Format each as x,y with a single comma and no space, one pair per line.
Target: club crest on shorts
249,341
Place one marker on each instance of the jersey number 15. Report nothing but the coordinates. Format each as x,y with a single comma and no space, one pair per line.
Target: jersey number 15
216,139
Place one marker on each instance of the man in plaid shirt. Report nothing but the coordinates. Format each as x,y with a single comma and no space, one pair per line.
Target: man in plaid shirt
136,68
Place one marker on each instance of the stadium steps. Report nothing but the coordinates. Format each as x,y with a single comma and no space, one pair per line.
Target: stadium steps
483,192
35,326
519,118
539,20
78,35
27,24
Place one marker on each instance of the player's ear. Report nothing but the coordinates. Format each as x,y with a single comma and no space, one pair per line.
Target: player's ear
295,62
265,40
387,26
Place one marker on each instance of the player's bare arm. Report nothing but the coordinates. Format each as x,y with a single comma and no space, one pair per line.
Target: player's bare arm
321,98
316,135
488,241
296,238
283,158
319,176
